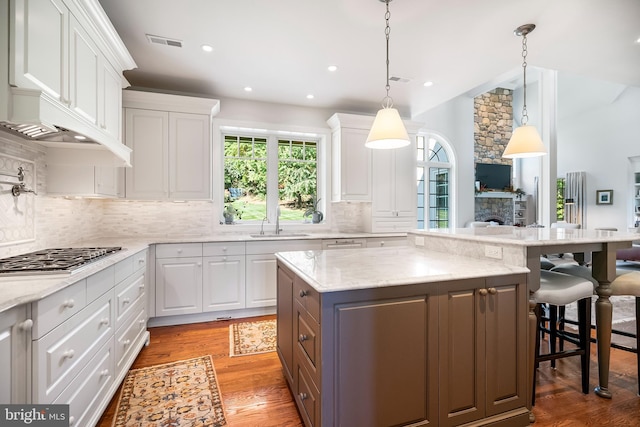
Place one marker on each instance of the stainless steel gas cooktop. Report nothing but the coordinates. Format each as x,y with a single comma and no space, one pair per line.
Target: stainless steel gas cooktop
54,260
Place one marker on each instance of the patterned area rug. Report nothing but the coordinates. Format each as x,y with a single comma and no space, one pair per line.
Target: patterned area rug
177,394
252,337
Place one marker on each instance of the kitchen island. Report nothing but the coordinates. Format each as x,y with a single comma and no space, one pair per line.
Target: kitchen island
403,336
524,247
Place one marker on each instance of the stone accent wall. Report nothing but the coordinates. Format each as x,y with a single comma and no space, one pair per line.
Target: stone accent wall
493,124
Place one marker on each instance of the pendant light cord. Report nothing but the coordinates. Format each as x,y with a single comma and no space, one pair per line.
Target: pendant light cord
387,102
525,115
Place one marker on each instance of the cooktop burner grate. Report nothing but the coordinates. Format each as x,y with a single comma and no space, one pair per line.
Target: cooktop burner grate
61,260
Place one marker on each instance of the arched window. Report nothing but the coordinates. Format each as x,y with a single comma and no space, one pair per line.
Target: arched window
434,179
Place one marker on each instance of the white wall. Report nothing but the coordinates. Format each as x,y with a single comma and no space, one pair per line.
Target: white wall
598,130
453,121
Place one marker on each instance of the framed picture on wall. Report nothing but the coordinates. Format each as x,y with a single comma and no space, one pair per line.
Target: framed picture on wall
604,197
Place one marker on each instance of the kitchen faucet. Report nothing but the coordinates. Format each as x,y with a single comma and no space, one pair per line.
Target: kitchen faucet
262,226
278,230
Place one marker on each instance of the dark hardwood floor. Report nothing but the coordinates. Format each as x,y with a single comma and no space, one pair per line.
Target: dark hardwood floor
255,393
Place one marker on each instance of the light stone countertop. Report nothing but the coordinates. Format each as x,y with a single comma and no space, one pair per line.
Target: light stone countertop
345,269
17,290
523,236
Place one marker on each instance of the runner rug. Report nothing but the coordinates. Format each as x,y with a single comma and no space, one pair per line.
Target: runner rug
252,337
177,394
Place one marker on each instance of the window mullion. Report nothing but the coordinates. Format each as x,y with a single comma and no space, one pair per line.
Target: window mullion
273,196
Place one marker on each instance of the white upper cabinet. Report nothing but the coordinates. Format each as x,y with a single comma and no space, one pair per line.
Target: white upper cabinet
351,160
65,70
41,41
170,136
394,186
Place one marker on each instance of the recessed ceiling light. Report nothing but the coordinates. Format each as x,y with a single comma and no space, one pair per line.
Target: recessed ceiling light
428,84
310,96
207,48
638,40
80,137
248,89
332,68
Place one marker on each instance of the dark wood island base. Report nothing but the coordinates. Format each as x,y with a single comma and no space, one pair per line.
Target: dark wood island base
445,353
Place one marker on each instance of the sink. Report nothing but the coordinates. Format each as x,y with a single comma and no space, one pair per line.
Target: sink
277,236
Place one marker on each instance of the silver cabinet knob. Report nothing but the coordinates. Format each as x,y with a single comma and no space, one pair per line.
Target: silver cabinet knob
303,293
303,396
303,338
483,292
493,291
26,325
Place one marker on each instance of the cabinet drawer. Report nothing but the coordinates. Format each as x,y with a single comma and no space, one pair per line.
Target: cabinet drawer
99,283
128,293
343,243
128,337
124,269
271,247
225,248
383,242
51,311
61,354
307,343
140,260
179,250
307,297
89,388
308,398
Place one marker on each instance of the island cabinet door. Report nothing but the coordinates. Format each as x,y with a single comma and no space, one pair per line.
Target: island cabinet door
482,345
285,321
385,361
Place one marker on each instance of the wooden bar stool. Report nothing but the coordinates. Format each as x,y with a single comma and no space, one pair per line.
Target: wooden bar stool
559,289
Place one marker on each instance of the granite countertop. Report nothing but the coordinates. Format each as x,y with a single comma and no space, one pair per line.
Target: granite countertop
344,269
523,236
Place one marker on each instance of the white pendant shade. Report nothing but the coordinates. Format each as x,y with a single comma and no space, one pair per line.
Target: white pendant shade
387,131
525,142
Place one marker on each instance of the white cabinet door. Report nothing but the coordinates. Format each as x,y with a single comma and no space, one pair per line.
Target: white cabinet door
147,134
110,100
394,190
223,283
189,159
178,286
261,280
355,165
15,343
40,47
84,59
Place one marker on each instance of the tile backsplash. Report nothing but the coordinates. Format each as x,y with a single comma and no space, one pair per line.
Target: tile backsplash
62,222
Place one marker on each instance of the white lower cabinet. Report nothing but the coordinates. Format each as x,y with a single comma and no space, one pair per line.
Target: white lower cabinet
85,337
178,286
15,345
223,286
262,271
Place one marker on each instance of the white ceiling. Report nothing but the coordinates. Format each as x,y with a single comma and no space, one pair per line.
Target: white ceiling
281,48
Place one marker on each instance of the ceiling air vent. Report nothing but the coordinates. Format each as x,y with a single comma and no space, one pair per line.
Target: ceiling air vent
164,41
399,79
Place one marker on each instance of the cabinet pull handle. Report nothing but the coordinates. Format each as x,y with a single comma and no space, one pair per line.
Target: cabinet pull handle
141,322
72,420
104,321
126,342
483,292
224,258
104,372
382,243
126,300
224,248
179,251
303,293
303,338
493,291
26,325
69,303
141,261
303,396
141,286
68,354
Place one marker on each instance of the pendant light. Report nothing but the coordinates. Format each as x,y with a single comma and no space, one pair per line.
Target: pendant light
525,140
387,131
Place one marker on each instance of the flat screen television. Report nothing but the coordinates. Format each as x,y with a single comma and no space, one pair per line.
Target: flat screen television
493,176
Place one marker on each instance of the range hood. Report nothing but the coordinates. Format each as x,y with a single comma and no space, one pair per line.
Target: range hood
36,116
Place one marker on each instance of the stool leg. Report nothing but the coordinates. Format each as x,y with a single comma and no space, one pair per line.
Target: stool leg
584,331
553,331
561,314
638,340
538,312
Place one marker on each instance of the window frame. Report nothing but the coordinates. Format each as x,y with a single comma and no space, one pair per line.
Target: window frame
273,134
427,165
